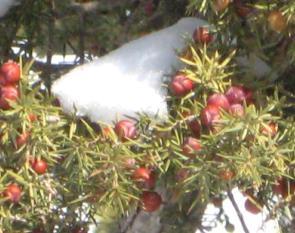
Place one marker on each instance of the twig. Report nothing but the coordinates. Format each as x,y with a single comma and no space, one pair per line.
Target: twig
81,37
131,222
231,198
50,28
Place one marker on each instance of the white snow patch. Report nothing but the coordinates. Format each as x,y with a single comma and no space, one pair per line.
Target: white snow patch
256,223
129,79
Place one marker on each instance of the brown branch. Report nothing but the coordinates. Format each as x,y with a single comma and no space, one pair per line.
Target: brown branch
50,28
131,222
76,52
55,68
81,37
231,198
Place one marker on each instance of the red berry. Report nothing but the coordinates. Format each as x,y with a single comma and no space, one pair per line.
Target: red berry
210,116
191,147
202,35
22,139
149,7
8,93
125,129
151,201
242,9
237,110
39,166
226,174
141,173
13,193
145,176
195,127
252,207
181,85
32,117
271,130
221,5
11,72
219,100
277,21
239,94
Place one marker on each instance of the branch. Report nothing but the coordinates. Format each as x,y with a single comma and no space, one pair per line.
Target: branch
81,37
131,222
231,198
55,68
50,28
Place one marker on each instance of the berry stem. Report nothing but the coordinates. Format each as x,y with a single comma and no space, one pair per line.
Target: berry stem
234,203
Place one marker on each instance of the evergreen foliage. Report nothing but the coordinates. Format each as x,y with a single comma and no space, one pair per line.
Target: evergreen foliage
90,172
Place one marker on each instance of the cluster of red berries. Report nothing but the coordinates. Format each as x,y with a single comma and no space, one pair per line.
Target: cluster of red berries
10,75
284,188
13,191
276,20
144,177
9,92
9,80
232,101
